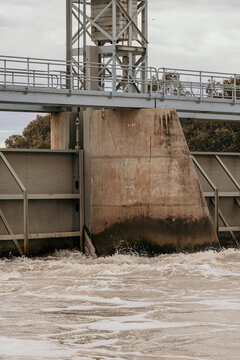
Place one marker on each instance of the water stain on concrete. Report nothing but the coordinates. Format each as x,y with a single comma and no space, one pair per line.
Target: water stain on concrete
142,190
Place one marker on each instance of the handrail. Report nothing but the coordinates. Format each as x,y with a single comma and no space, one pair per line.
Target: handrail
196,71
71,75
32,58
118,78
63,61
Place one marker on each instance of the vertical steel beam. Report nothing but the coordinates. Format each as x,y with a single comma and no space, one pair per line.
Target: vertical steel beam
145,33
81,191
216,212
28,73
200,85
69,30
5,72
69,54
25,221
85,32
235,88
114,35
130,34
145,28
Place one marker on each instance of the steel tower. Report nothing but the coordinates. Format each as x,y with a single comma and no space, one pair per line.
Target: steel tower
107,41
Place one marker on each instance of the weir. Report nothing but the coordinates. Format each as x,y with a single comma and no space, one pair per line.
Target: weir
54,189
119,172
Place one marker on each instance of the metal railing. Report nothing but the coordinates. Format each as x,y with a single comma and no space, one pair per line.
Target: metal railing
59,74
198,84
160,83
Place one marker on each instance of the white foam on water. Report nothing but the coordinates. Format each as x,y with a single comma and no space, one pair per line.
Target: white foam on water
15,347
118,325
221,304
207,270
126,323
68,306
96,302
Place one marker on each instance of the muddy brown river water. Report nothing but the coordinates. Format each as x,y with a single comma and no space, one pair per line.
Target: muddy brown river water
67,306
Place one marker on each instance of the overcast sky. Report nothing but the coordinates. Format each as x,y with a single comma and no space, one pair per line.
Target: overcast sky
202,34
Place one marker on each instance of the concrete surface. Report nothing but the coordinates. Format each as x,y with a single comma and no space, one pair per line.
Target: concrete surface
141,188
63,130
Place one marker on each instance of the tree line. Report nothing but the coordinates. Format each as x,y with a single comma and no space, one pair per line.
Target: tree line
201,135
36,135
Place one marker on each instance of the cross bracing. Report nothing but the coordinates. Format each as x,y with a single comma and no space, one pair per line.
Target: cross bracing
116,31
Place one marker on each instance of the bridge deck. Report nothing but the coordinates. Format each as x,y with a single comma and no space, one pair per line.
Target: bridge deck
49,86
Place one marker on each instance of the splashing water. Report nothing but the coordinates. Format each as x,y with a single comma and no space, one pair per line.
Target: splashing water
67,306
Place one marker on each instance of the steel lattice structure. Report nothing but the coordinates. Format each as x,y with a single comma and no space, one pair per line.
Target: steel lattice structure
106,67
113,34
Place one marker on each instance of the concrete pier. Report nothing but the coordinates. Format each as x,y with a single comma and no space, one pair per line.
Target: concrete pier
63,130
141,188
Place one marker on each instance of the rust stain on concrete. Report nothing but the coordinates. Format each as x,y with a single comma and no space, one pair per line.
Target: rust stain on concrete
141,185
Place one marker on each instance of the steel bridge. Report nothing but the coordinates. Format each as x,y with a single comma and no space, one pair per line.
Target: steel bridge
43,85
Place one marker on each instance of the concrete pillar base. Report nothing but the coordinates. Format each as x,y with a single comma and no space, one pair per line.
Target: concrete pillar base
141,188
63,130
